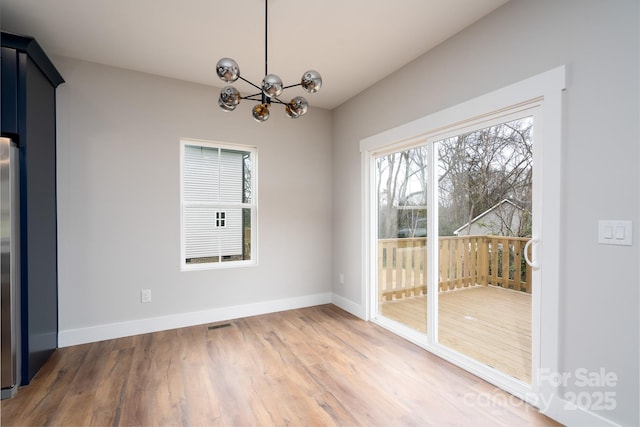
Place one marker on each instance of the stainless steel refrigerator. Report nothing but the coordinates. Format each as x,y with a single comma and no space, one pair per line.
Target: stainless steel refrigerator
9,268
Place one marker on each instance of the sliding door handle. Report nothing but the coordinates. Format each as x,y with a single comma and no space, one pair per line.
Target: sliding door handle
533,261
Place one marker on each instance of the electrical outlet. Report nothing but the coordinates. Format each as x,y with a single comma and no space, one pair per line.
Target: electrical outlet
145,295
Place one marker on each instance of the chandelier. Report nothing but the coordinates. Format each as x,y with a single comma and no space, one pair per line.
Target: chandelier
271,88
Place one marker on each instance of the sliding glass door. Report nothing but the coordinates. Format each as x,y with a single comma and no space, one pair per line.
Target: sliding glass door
453,218
484,222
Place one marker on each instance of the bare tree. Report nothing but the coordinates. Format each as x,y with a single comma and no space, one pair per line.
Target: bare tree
480,169
402,183
476,171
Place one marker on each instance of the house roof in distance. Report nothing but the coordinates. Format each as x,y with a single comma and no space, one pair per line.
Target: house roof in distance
485,213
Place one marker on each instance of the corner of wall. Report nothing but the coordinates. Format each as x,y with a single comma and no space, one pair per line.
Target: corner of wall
349,306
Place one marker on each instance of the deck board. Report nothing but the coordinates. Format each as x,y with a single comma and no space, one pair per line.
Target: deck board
490,324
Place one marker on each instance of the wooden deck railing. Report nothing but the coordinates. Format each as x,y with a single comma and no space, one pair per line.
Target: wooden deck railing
464,261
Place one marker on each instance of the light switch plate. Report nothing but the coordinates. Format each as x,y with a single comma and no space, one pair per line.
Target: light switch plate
612,232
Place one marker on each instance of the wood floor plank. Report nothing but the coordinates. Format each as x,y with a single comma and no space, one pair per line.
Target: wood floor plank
317,366
109,398
42,402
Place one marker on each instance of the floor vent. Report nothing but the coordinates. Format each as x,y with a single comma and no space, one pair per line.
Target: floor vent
224,325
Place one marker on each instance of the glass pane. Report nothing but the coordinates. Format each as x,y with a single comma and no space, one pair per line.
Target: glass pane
402,237
201,174
231,185
236,243
247,178
200,234
230,236
484,222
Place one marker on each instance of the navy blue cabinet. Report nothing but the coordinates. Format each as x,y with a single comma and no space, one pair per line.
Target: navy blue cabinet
28,117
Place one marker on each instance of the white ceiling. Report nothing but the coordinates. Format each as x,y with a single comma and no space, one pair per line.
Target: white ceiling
352,43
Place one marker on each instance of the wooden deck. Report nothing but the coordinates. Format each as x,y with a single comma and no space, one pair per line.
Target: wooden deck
490,324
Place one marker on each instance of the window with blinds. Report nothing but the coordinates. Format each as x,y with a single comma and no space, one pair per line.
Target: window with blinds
218,205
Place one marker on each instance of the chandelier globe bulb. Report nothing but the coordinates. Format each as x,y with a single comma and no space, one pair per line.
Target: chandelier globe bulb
229,98
297,107
228,70
261,113
311,81
272,85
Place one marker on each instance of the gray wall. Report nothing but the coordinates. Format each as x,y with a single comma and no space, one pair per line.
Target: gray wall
598,41
119,198
118,179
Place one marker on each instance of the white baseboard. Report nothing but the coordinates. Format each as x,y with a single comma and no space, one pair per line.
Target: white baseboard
568,414
558,409
90,334
349,306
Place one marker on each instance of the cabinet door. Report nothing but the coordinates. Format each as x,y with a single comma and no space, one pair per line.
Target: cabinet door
9,118
39,229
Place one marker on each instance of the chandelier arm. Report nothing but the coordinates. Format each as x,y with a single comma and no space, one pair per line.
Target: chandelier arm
252,97
247,81
287,87
277,101
269,100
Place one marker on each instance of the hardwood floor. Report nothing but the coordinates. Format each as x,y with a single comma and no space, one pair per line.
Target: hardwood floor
317,366
490,324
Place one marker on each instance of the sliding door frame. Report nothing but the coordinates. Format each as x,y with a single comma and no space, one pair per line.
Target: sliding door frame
541,94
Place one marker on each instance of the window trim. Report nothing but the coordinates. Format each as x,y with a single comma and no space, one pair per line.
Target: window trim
222,207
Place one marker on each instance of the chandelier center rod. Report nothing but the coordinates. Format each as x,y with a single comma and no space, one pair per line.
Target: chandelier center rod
266,11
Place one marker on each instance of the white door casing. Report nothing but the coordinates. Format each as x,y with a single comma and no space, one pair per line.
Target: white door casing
540,96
